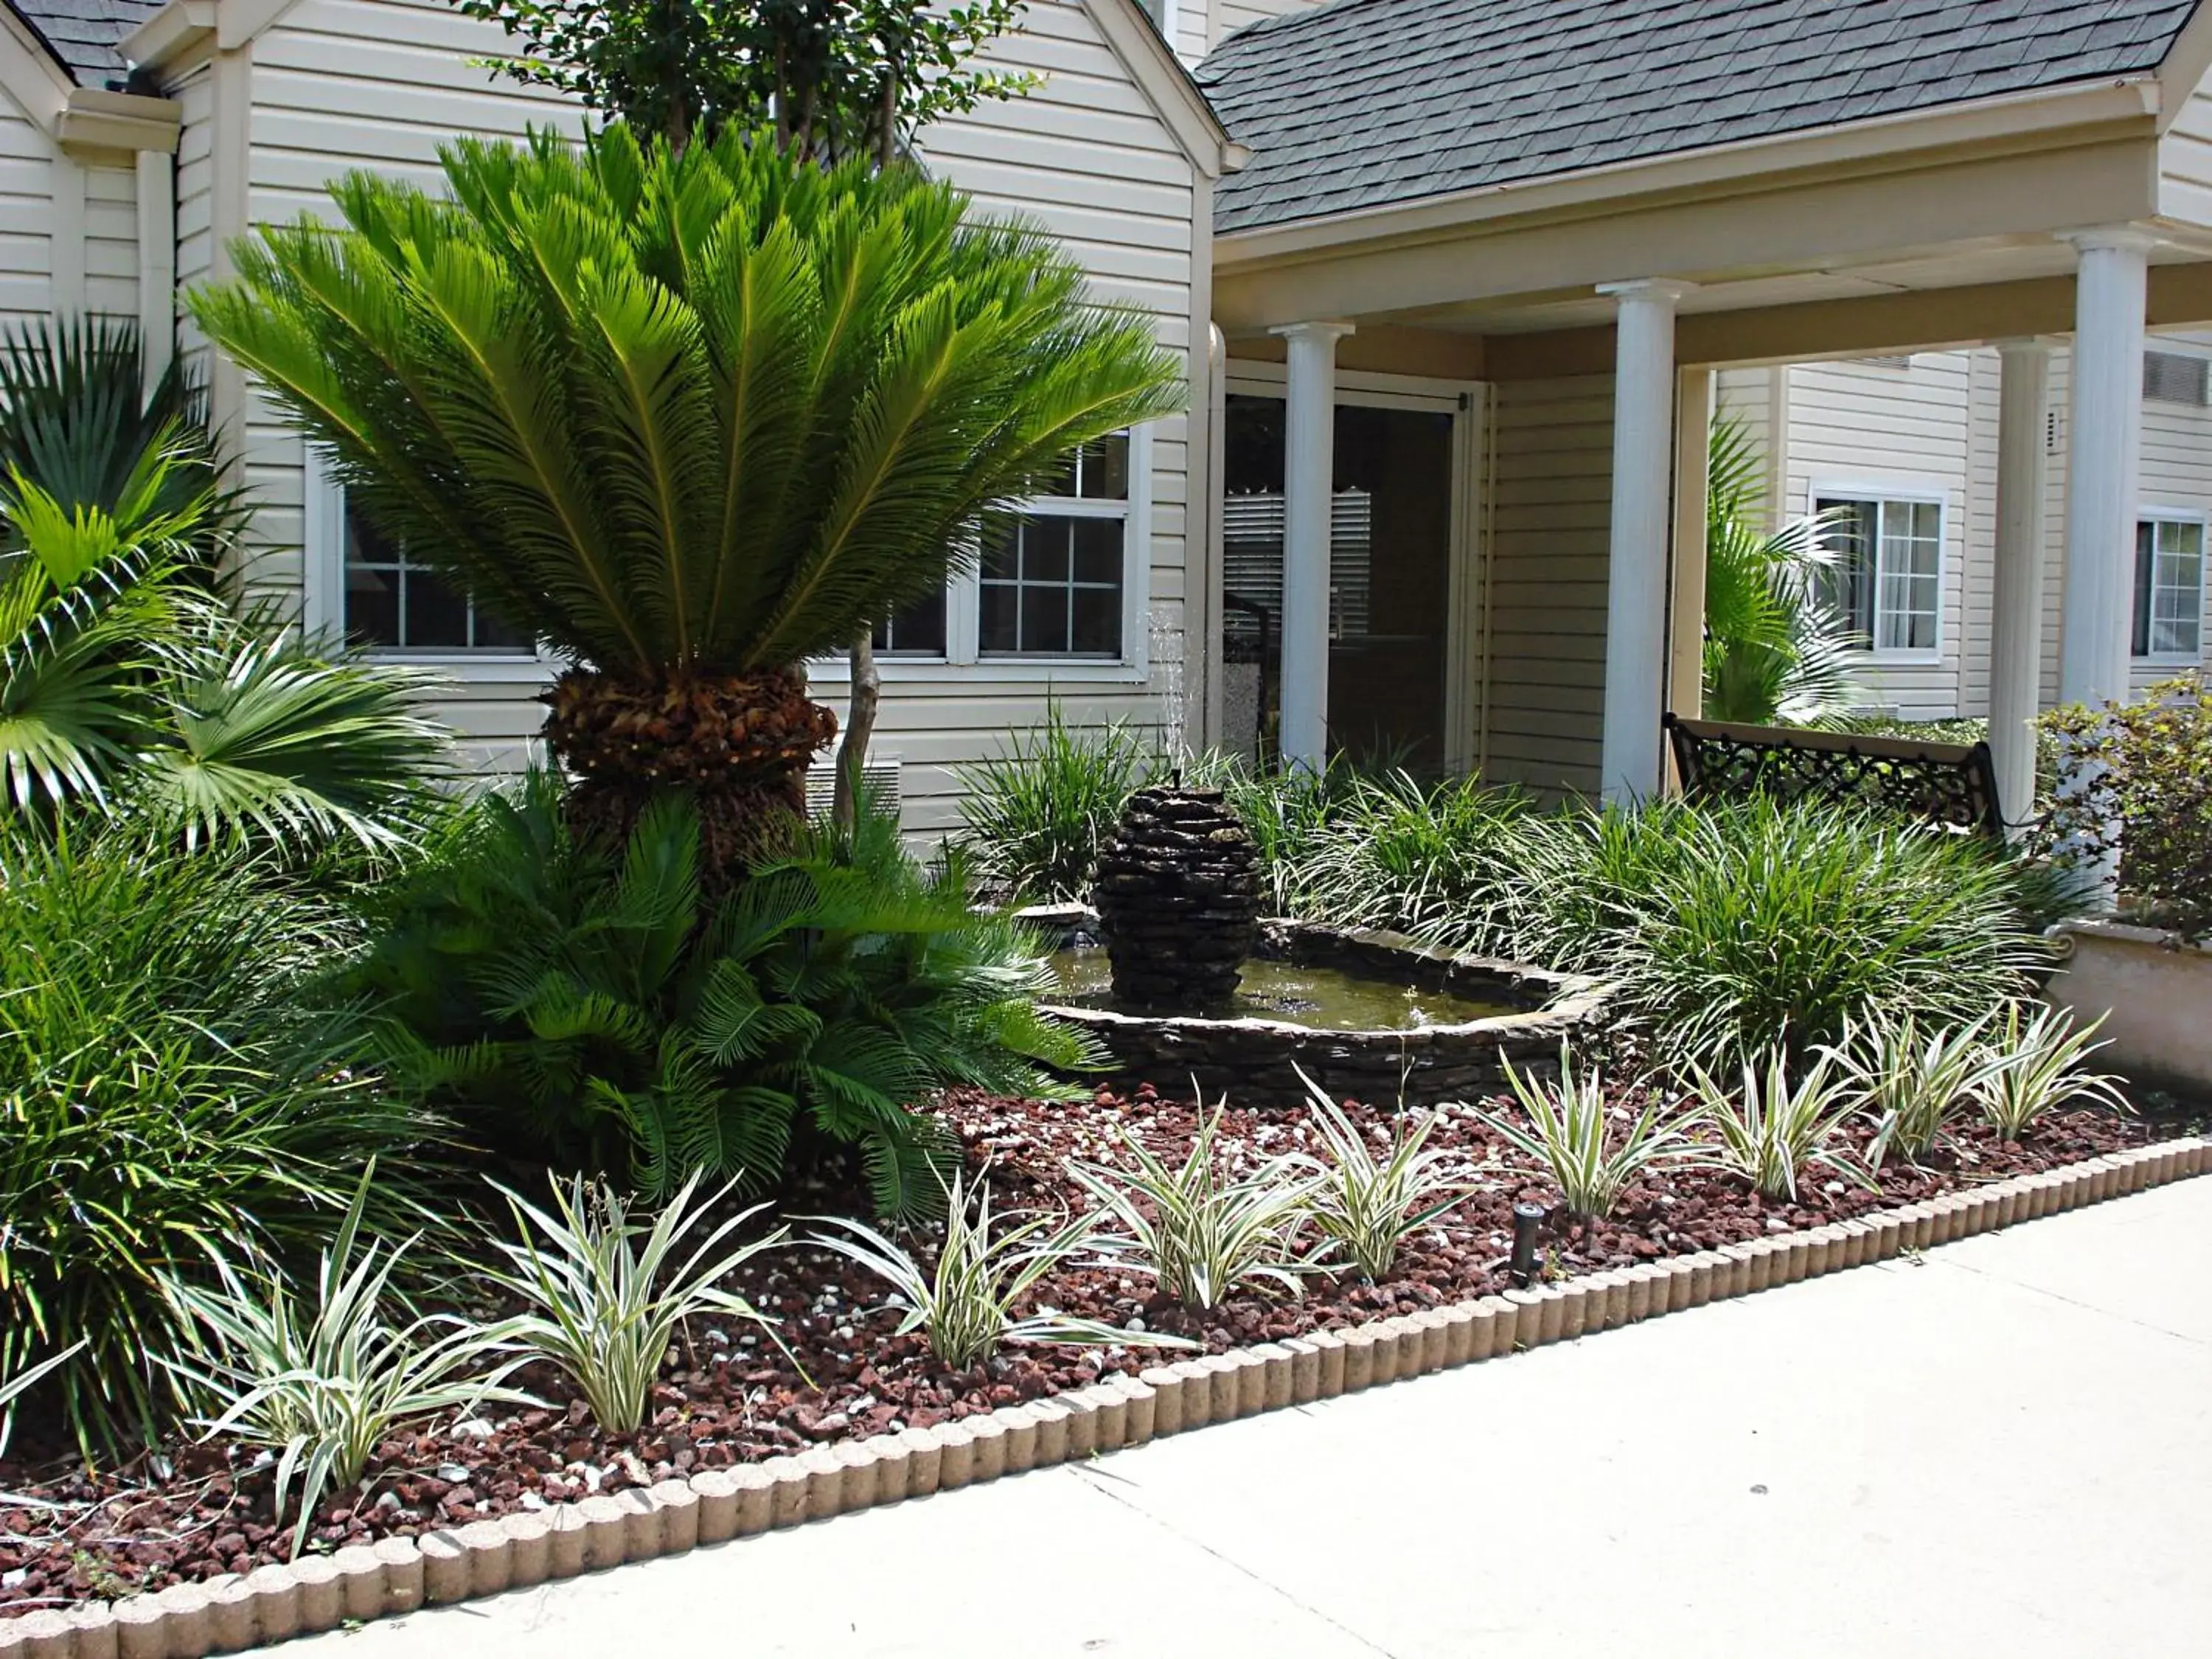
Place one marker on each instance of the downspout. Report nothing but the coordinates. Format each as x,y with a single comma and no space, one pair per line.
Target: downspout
157,263
1211,518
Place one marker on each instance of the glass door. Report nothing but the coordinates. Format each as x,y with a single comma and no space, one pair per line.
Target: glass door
1391,590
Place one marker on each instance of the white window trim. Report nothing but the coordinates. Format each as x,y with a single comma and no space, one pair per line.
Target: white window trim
963,657
322,600
1919,491
2202,520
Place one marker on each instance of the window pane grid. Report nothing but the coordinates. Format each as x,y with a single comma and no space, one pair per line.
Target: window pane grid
1051,585
393,602
1887,583
2169,597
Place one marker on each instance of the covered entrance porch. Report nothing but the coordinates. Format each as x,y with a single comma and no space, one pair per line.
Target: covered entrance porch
1587,315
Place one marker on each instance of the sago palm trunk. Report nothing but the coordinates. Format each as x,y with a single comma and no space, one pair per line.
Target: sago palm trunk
739,743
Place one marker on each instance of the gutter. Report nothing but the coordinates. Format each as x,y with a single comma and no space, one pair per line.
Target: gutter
2022,121
93,118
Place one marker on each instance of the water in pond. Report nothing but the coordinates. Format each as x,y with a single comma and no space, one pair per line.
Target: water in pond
1325,999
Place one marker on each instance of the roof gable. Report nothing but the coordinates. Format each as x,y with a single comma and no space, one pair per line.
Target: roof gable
1375,103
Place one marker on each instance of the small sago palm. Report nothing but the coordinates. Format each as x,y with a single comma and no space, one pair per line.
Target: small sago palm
321,1381
964,1303
1368,1206
603,1294
1912,1080
2035,1066
1772,1132
1571,1136
1201,1234
690,419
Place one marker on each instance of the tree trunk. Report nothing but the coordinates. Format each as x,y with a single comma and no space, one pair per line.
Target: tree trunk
737,743
859,727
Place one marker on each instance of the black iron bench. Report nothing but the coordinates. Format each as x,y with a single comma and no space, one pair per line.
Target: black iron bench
1951,784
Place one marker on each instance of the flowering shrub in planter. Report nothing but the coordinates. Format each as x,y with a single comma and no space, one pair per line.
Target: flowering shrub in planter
2146,784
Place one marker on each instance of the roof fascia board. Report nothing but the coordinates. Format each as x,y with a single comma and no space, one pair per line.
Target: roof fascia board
1160,76
30,74
2188,61
169,34
103,122
2022,121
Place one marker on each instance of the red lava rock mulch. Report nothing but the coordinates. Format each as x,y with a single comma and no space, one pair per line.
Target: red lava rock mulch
730,1396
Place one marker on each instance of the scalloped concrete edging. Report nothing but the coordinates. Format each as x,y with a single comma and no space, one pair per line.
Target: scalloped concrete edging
398,1575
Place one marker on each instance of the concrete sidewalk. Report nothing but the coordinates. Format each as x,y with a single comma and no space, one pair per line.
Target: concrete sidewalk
2004,1449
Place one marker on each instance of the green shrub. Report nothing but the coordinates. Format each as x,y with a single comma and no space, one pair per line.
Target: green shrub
1765,925
1397,853
591,1008
168,1077
2146,795
1037,814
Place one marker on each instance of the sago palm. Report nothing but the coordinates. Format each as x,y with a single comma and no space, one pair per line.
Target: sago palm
690,419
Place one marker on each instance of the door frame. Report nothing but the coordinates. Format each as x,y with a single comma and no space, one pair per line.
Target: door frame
1466,402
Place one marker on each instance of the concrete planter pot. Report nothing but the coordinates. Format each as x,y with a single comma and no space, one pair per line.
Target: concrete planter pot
2154,991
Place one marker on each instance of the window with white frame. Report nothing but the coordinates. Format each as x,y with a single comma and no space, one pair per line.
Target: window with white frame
1056,581
2169,597
397,604
1887,583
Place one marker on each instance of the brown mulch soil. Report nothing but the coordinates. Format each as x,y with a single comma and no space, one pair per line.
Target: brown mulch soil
730,1396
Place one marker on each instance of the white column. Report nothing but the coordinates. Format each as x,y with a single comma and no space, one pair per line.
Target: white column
2109,297
1308,478
1636,575
2016,606
1685,613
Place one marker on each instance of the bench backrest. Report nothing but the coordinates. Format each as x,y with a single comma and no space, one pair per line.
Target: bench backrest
1951,784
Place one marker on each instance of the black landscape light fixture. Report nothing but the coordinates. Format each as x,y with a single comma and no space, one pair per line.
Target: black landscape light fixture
1526,1219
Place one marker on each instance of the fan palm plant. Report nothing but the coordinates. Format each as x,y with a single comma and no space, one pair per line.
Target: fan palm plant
79,420
123,680
692,418
1774,652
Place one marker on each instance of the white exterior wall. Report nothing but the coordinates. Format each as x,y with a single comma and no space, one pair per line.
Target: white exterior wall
1548,504
68,233
336,84
1935,423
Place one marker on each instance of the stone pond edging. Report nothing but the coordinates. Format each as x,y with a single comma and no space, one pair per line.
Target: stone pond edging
1256,1061
398,1576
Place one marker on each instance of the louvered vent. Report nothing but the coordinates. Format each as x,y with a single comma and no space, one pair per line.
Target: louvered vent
881,774
1903,361
2170,377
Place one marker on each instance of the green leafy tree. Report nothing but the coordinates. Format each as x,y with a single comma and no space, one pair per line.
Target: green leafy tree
1775,654
692,417
831,77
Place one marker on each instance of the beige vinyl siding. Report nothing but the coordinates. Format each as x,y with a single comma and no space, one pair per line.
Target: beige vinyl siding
1543,583
69,240
26,216
2175,474
1862,427
1230,15
343,83
2185,162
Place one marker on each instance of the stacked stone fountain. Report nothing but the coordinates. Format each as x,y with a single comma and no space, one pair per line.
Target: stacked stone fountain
1178,900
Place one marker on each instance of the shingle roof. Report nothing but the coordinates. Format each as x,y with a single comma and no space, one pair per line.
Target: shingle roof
1368,103
84,34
